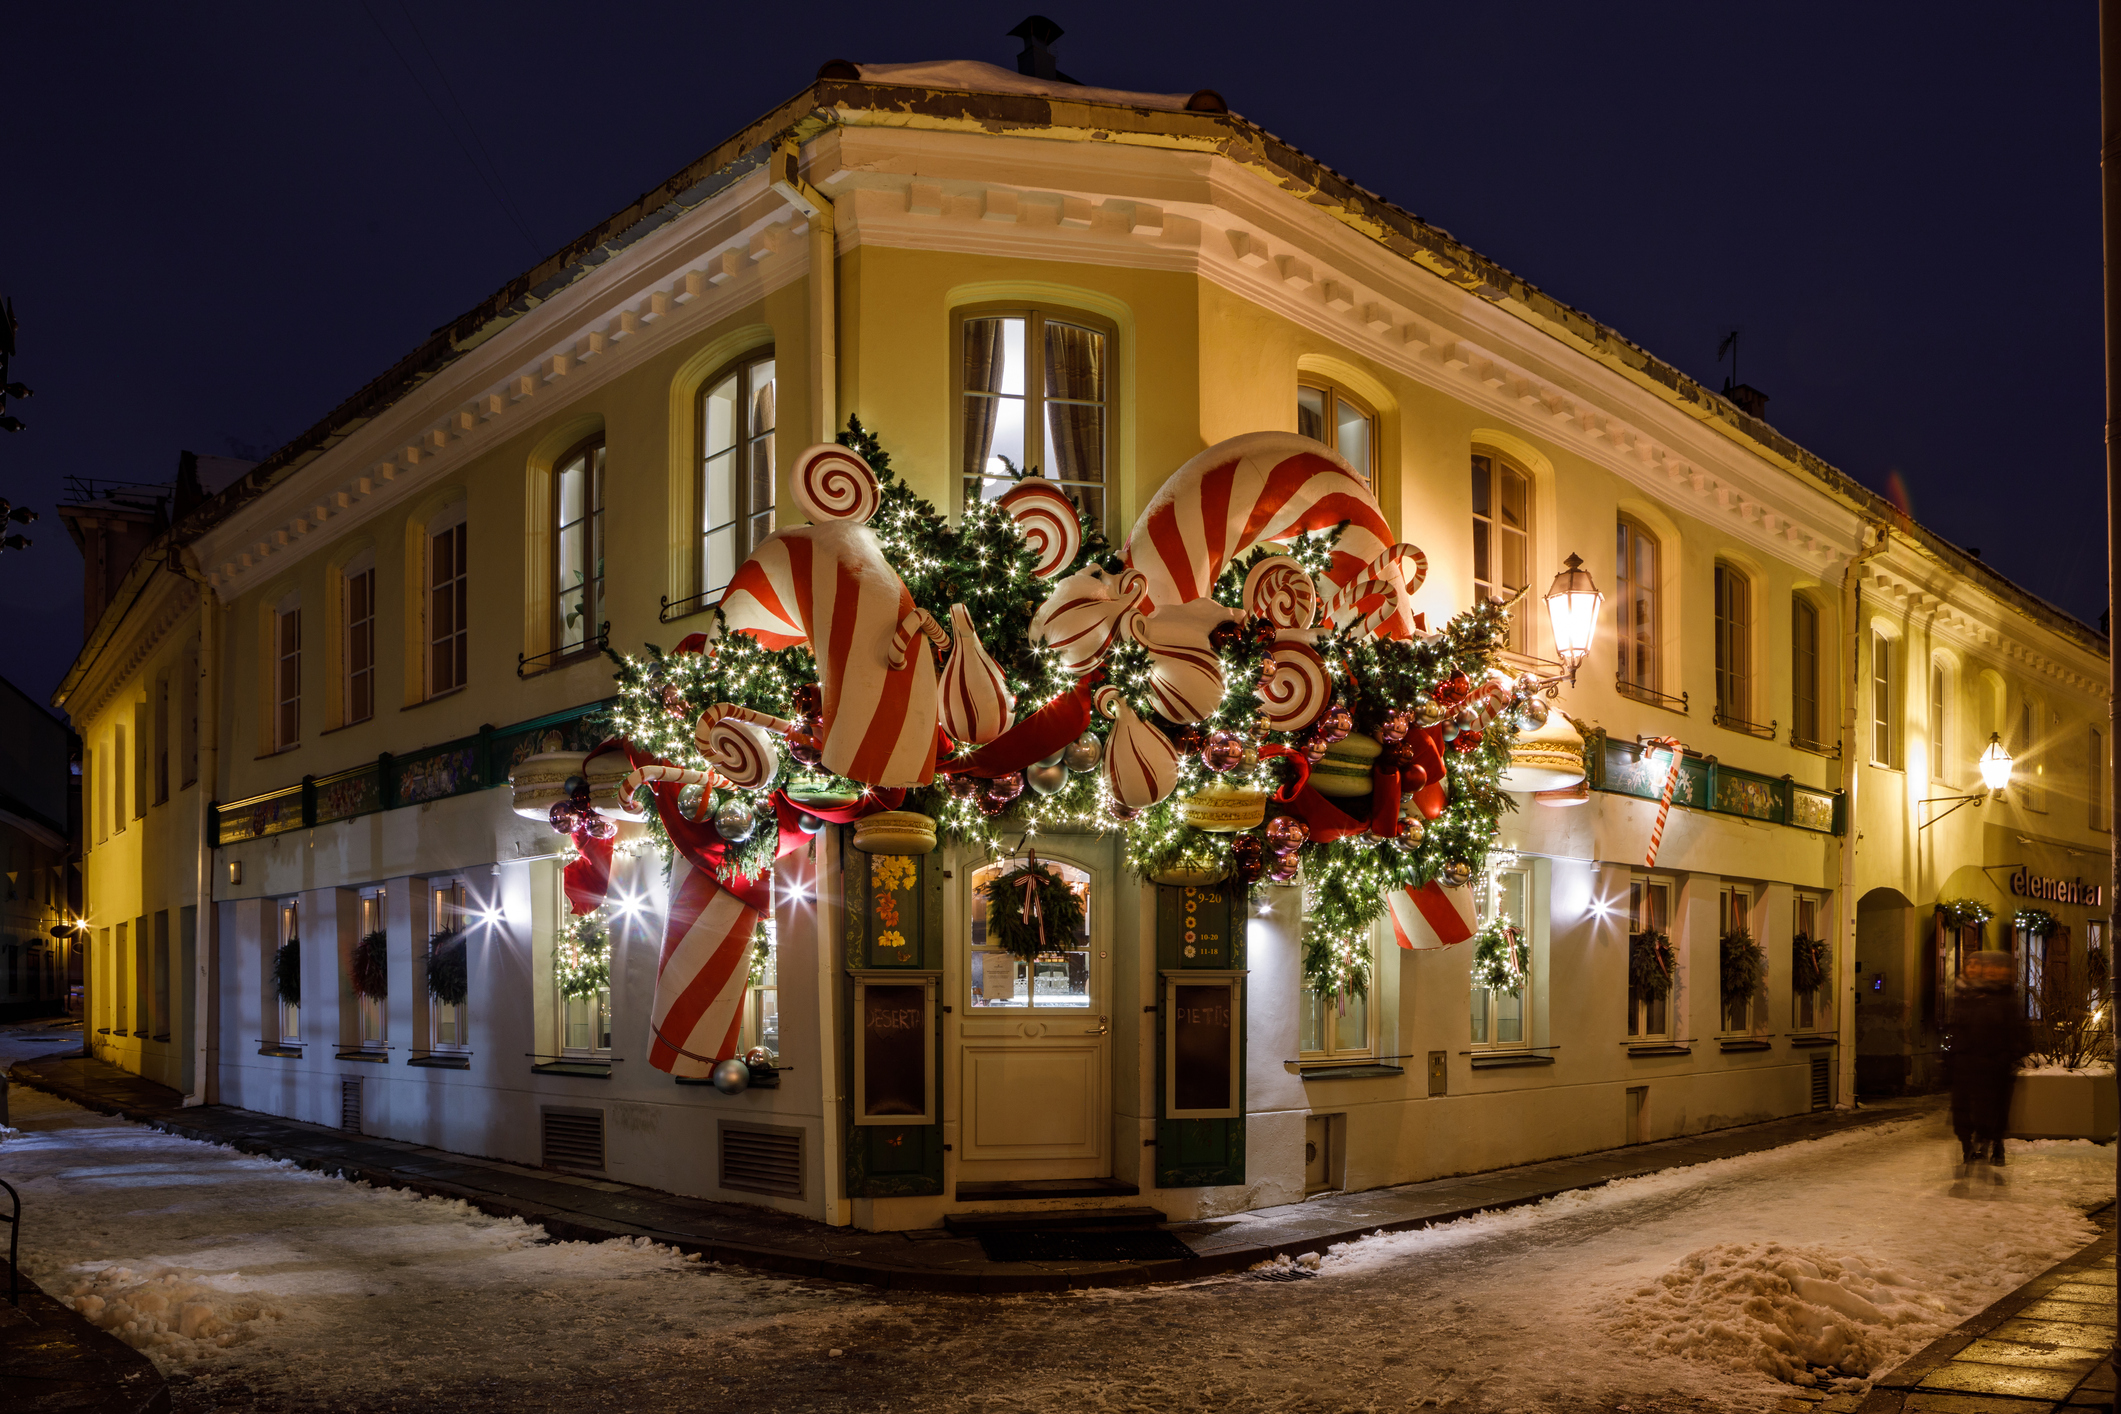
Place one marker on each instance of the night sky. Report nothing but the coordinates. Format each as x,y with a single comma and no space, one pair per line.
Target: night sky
222,220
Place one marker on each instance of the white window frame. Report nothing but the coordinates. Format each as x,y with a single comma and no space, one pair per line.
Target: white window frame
1332,1052
451,519
1940,722
1739,905
1734,643
748,523
2028,768
1332,396
354,673
1492,467
596,1010
1884,704
1638,640
439,911
372,1014
586,531
286,926
1485,1019
764,1001
1095,495
1641,1009
1805,714
1809,918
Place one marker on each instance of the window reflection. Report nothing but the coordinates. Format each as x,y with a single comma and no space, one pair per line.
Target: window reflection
1057,978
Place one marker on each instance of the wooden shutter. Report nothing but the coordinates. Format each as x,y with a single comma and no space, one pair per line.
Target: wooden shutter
1199,1153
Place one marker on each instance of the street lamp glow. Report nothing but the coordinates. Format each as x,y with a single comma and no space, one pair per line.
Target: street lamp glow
1573,602
1995,764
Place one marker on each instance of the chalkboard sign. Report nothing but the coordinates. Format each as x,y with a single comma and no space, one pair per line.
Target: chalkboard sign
1203,1048
896,1042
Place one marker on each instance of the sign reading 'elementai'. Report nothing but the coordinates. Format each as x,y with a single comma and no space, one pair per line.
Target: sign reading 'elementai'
2026,885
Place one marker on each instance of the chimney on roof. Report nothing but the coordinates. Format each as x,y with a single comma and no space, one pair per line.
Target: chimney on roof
1749,400
1038,33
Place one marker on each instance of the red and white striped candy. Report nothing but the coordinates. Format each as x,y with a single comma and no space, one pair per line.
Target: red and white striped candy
1298,689
1247,491
1049,521
1664,802
977,705
1081,615
1282,592
698,1009
1383,593
1141,763
680,776
830,587
1185,678
1431,916
833,483
739,742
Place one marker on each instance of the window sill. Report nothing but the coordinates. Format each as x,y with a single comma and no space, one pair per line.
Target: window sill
434,1061
1745,1043
1660,1048
1506,1060
362,1055
289,1052
586,1069
1350,1072
278,751
760,1080
436,697
1810,1039
163,1037
348,726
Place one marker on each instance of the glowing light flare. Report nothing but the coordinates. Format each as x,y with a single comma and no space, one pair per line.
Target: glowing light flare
1995,764
1573,602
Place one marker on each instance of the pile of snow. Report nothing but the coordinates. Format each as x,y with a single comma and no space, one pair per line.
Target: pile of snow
2105,1067
179,1314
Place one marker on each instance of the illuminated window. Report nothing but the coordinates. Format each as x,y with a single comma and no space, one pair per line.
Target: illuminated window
1034,392
1814,1010
762,1004
578,548
371,1011
737,419
448,604
1649,916
1342,421
1502,536
1884,696
1635,599
1940,736
358,598
1734,645
287,676
1735,912
1499,1014
288,914
1059,978
448,1025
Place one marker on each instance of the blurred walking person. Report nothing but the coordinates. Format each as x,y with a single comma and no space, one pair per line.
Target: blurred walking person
1989,1038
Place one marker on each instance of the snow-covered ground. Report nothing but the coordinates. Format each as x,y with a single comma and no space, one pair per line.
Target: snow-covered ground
258,1285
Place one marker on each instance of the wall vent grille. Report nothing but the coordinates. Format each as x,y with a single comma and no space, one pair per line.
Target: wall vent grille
574,1139
762,1159
350,1105
1822,1082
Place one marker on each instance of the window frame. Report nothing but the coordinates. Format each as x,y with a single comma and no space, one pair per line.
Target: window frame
369,917
1885,696
1639,644
1489,900
160,753
459,1013
2028,769
1743,902
1332,1053
592,452
357,633
1804,672
453,522
744,440
286,676
1820,998
1498,467
1036,316
1940,721
752,1032
286,927
1335,395
1734,644
599,1005
2095,779
1641,1007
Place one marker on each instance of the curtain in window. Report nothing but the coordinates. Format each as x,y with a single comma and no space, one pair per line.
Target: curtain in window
1075,371
983,373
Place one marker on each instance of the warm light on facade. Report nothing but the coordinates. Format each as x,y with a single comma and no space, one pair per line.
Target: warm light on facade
1995,764
1573,602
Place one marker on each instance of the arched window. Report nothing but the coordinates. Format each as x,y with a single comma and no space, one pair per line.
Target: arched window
1939,724
578,548
1635,601
1332,415
1502,535
736,468
1034,391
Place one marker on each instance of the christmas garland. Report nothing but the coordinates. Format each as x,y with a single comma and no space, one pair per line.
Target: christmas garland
1500,960
287,972
1650,964
448,969
1744,966
1960,912
581,956
1810,959
371,966
1053,919
2035,922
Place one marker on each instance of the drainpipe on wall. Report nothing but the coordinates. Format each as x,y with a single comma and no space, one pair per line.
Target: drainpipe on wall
1845,960
823,386
2110,204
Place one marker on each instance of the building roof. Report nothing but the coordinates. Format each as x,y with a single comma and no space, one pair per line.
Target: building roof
957,94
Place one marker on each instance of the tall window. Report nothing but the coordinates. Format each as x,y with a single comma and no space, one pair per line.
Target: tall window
1502,529
447,1023
1734,912
161,755
117,785
578,546
1337,1027
1499,1012
1649,916
585,1021
1635,599
448,605
127,1001
2028,770
1035,393
1883,697
1055,979
92,794
1812,1009
736,469
1734,645
287,676
762,1004
359,592
372,1010
1804,670
289,914
1940,758
1326,414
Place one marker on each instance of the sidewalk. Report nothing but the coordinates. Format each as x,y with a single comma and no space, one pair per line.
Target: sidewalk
587,1209
54,1362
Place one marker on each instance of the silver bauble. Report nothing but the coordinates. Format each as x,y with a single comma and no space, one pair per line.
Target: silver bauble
689,799
1055,759
1083,753
1046,777
1457,874
1467,720
732,1076
734,821
1429,712
1411,826
809,824
1531,713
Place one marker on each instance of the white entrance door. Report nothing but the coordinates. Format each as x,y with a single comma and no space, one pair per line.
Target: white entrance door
1034,1039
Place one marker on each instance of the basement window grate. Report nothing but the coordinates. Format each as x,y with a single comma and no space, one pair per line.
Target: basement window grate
573,1139
350,1105
758,1158
1822,1082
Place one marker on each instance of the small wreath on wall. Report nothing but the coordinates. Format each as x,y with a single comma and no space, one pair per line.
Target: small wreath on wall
371,966
1809,960
1744,966
1650,965
287,972
448,972
1031,910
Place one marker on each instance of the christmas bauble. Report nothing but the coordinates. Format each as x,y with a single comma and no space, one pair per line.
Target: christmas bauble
1003,789
758,1056
1467,741
1191,738
1248,858
803,749
1264,632
689,798
597,827
562,815
963,787
809,824
1083,753
1225,636
735,821
1336,724
732,1076
1456,874
1284,868
1045,777
1429,712
578,791
1393,728
808,700
1532,713
1054,759
1467,720
1225,751
1411,826
1314,750
1121,811
1287,832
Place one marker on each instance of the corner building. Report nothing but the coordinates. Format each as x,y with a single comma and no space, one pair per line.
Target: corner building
401,608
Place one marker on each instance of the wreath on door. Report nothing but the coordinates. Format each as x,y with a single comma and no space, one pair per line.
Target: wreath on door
1031,910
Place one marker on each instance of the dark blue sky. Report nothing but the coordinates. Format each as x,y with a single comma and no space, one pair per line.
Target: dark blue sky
222,220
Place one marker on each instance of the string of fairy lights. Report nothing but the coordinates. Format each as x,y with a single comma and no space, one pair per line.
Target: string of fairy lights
985,562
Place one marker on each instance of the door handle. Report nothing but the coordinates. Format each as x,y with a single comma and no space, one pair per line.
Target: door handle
1104,1024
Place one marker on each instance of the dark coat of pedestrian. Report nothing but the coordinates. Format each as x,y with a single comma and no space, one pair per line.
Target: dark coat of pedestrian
1989,1038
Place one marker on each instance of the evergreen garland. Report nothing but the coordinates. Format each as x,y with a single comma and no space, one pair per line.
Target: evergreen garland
371,966
1057,916
1810,959
448,969
2035,922
287,972
1744,966
1959,912
581,956
1500,959
1650,964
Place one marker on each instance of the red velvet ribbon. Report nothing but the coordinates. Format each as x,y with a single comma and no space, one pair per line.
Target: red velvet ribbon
1290,789
588,878
1328,821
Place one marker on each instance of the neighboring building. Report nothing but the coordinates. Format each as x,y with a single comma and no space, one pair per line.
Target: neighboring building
353,644
39,886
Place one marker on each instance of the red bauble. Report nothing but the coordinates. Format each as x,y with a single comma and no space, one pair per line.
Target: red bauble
1003,789
1287,832
808,700
597,827
1264,632
1466,741
963,787
1225,636
1191,738
563,816
1335,725
1397,757
1248,859
1224,751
